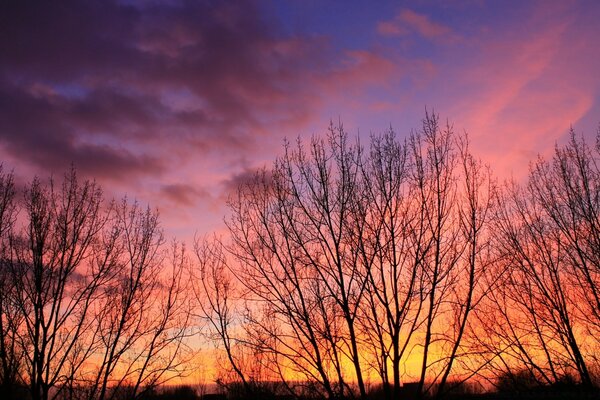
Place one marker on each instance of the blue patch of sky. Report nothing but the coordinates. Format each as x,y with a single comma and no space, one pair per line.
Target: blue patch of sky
70,91
349,25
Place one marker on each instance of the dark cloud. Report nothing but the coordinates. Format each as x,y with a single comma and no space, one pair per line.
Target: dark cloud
183,194
244,179
67,41
53,133
98,83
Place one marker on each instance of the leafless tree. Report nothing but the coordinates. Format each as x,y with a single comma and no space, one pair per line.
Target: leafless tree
354,257
215,293
545,317
435,158
290,230
11,357
143,316
54,283
448,231
476,204
568,190
392,244
91,299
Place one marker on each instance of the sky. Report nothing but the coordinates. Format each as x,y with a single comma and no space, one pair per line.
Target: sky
175,103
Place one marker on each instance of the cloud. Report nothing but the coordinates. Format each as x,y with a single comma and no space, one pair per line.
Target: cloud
408,21
134,84
523,92
167,101
184,194
146,86
247,176
363,68
42,130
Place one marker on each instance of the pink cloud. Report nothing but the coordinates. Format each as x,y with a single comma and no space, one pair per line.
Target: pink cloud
407,21
184,194
391,28
523,93
360,68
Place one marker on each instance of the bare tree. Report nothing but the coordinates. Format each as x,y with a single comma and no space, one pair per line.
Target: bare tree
568,190
291,234
545,242
144,314
435,160
215,294
274,280
54,283
476,204
360,258
11,356
392,245
91,300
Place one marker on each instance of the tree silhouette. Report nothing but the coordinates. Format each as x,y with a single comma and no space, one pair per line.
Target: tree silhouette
11,356
349,268
358,258
546,237
87,302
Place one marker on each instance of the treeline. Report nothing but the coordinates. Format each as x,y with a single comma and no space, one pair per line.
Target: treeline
349,270
352,267
92,299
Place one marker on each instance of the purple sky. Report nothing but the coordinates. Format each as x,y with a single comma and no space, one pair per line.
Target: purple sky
175,103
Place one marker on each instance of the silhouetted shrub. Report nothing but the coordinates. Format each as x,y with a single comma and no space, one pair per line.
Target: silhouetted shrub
14,391
308,390
255,390
183,392
214,396
565,383
409,390
376,392
526,381
519,381
460,389
124,392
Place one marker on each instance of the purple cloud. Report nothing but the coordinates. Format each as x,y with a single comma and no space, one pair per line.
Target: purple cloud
109,80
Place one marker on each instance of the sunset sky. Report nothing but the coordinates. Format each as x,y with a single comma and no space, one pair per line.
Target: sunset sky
176,102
